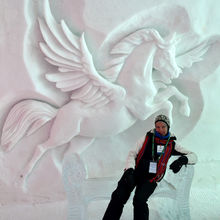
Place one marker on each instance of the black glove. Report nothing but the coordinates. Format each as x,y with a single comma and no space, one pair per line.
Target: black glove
177,164
129,178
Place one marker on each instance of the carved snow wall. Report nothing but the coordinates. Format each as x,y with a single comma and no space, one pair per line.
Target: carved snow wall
89,77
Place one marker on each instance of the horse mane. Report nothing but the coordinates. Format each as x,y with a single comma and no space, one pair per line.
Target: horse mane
126,45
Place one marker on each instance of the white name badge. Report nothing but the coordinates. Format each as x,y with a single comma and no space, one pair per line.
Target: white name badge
160,148
153,167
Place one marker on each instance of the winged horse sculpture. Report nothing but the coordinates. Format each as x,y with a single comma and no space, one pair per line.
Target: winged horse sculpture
98,106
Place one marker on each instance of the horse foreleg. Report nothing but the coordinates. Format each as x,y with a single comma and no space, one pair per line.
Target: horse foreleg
166,105
173,91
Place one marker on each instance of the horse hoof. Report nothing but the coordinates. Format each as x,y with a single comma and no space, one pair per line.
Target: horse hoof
21,183
185,109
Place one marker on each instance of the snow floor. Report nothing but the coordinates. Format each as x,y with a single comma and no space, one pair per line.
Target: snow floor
204,202
204,205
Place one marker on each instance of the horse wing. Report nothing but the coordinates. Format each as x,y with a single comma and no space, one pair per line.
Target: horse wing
76,71
192,55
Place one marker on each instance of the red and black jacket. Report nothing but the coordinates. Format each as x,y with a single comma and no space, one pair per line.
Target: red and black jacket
145,156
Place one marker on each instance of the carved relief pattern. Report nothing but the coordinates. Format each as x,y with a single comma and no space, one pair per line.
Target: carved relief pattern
140,68
140,75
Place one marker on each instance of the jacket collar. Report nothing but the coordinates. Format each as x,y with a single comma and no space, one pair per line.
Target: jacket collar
172,136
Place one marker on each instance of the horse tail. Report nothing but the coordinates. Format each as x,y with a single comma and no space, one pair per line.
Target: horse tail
24,119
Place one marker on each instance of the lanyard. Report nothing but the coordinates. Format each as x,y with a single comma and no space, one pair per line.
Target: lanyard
163,148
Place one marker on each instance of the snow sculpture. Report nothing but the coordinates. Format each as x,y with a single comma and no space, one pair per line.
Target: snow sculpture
101,103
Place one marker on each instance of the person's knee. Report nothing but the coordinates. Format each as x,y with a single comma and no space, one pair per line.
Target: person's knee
128,179
120,196
139,200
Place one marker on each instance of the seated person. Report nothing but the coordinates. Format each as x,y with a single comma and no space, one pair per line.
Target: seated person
146,165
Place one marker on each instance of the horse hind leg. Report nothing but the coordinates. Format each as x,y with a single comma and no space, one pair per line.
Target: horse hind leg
173,91
59,136
39,152
26,172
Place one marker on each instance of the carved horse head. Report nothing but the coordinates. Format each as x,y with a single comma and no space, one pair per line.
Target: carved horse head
165,56
162,51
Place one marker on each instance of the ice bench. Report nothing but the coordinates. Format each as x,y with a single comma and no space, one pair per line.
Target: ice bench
81,191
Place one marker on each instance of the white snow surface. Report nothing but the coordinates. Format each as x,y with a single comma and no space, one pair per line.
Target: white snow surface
46,199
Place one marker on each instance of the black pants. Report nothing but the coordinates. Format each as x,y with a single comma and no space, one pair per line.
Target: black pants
122,193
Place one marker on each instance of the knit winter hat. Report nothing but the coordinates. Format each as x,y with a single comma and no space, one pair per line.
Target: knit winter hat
164,119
